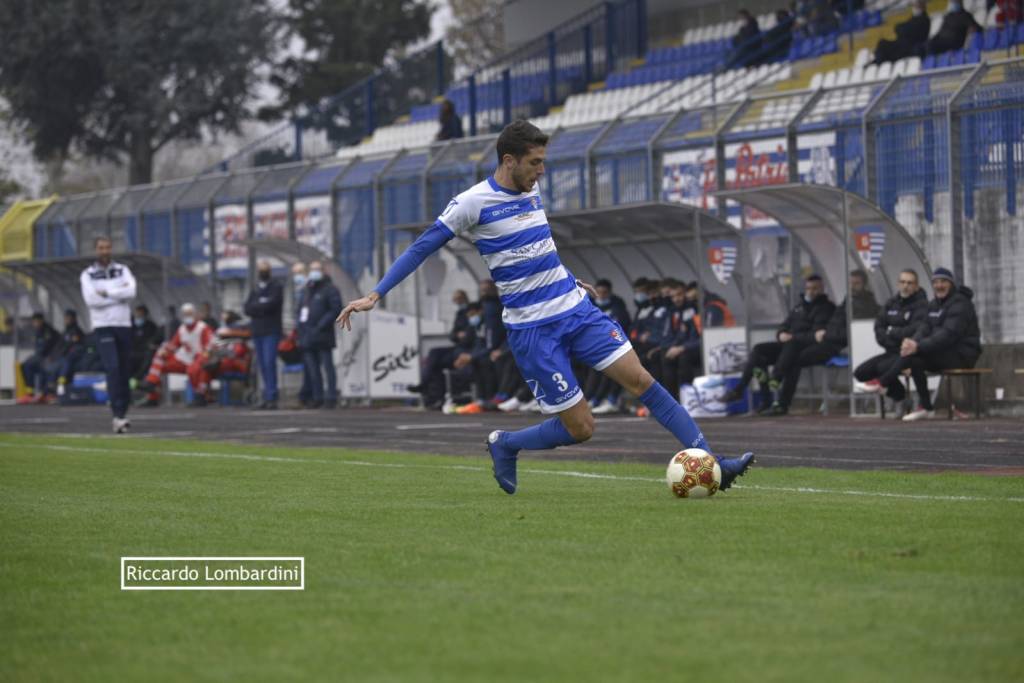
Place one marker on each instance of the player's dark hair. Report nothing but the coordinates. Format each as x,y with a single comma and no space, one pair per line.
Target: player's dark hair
474,306
911,271
143,308
641,283
813,277
38,316
857,272
101,238
671,282
518,137
604,283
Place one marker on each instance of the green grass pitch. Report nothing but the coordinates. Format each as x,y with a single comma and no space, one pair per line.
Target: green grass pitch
418,568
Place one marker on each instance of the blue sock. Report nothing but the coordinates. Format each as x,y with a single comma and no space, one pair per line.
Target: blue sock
550,433
673,417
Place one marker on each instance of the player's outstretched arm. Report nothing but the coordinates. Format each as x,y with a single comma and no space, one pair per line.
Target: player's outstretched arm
358,306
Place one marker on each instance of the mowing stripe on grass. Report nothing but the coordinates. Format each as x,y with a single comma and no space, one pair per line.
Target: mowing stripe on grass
473,468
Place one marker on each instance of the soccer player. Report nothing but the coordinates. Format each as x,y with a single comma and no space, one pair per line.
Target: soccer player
108,288
549,316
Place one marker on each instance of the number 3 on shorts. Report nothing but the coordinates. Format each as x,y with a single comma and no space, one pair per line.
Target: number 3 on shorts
560,381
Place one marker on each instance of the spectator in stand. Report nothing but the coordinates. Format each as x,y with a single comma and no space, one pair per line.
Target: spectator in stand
911,36
822,20
33,368
777,40
172,324
72,352
746,44
228,353
900,318
176,354
439,359
795,334
451,124
952,34
264,306
146,339
680,346
716,312
847,7
948,338
1009,11
829,341
321,304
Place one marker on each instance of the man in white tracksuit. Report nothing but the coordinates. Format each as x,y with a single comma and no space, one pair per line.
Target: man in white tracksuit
108,288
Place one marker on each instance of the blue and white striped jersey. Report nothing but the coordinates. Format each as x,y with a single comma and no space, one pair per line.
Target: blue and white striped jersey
512,235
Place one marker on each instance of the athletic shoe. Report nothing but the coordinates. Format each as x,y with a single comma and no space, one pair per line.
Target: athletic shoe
147,386
510,405
532,406
147,402
470,409
919,414
871,387
449,408
734,394
734,467
606,408
121,425
504,460
777,410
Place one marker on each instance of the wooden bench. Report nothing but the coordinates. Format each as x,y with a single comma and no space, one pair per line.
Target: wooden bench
974,374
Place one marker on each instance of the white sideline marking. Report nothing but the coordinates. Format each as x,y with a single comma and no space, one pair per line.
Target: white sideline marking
440,425
474,468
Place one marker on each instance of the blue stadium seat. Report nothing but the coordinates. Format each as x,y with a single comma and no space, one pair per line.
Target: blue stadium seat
1020,34
928,63
942,61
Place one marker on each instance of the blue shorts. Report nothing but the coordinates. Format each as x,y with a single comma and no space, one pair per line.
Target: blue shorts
544,354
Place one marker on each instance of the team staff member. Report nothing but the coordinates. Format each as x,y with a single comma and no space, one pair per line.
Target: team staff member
263,307
108,288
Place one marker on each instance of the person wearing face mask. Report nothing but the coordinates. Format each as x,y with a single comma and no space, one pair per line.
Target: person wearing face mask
176,354
300,275
911,35
899,319
600,390
441,358
264,306
952,34
146,339
796,333
320,305
949,337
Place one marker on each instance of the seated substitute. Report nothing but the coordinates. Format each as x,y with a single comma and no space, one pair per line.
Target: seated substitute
72,352
680,346
176,354
462,336
899,319
229,352
828,342
949,338
146,339
34,368
794,335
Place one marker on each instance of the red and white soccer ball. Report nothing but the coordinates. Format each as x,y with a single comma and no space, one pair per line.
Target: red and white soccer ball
694,473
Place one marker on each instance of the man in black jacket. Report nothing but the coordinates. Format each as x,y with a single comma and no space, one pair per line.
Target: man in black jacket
777,40
828,342
33,368
462,336
146,339
320,305
948,338
263,307
899,319
746,44
72,351
954,29
796,333
911,35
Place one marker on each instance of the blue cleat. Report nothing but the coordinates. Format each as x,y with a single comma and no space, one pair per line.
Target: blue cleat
734,467
504,460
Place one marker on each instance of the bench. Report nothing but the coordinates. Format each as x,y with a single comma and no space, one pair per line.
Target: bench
974,375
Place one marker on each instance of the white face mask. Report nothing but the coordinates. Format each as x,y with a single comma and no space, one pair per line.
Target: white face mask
474,320
315,276
188,320
299,280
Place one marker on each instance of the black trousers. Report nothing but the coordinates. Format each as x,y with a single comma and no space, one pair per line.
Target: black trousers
438,360
920,364
815,354
875,367
678,371
114,345
778,355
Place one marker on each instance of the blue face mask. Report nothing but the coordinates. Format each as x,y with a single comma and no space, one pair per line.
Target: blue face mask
641,298
315,276
299,280
602,302
139,322
474,320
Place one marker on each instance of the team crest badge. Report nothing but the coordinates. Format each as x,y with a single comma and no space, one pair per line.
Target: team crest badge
616,335
870,243
722,257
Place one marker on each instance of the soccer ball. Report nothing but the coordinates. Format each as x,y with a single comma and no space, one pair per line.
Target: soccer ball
693,473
